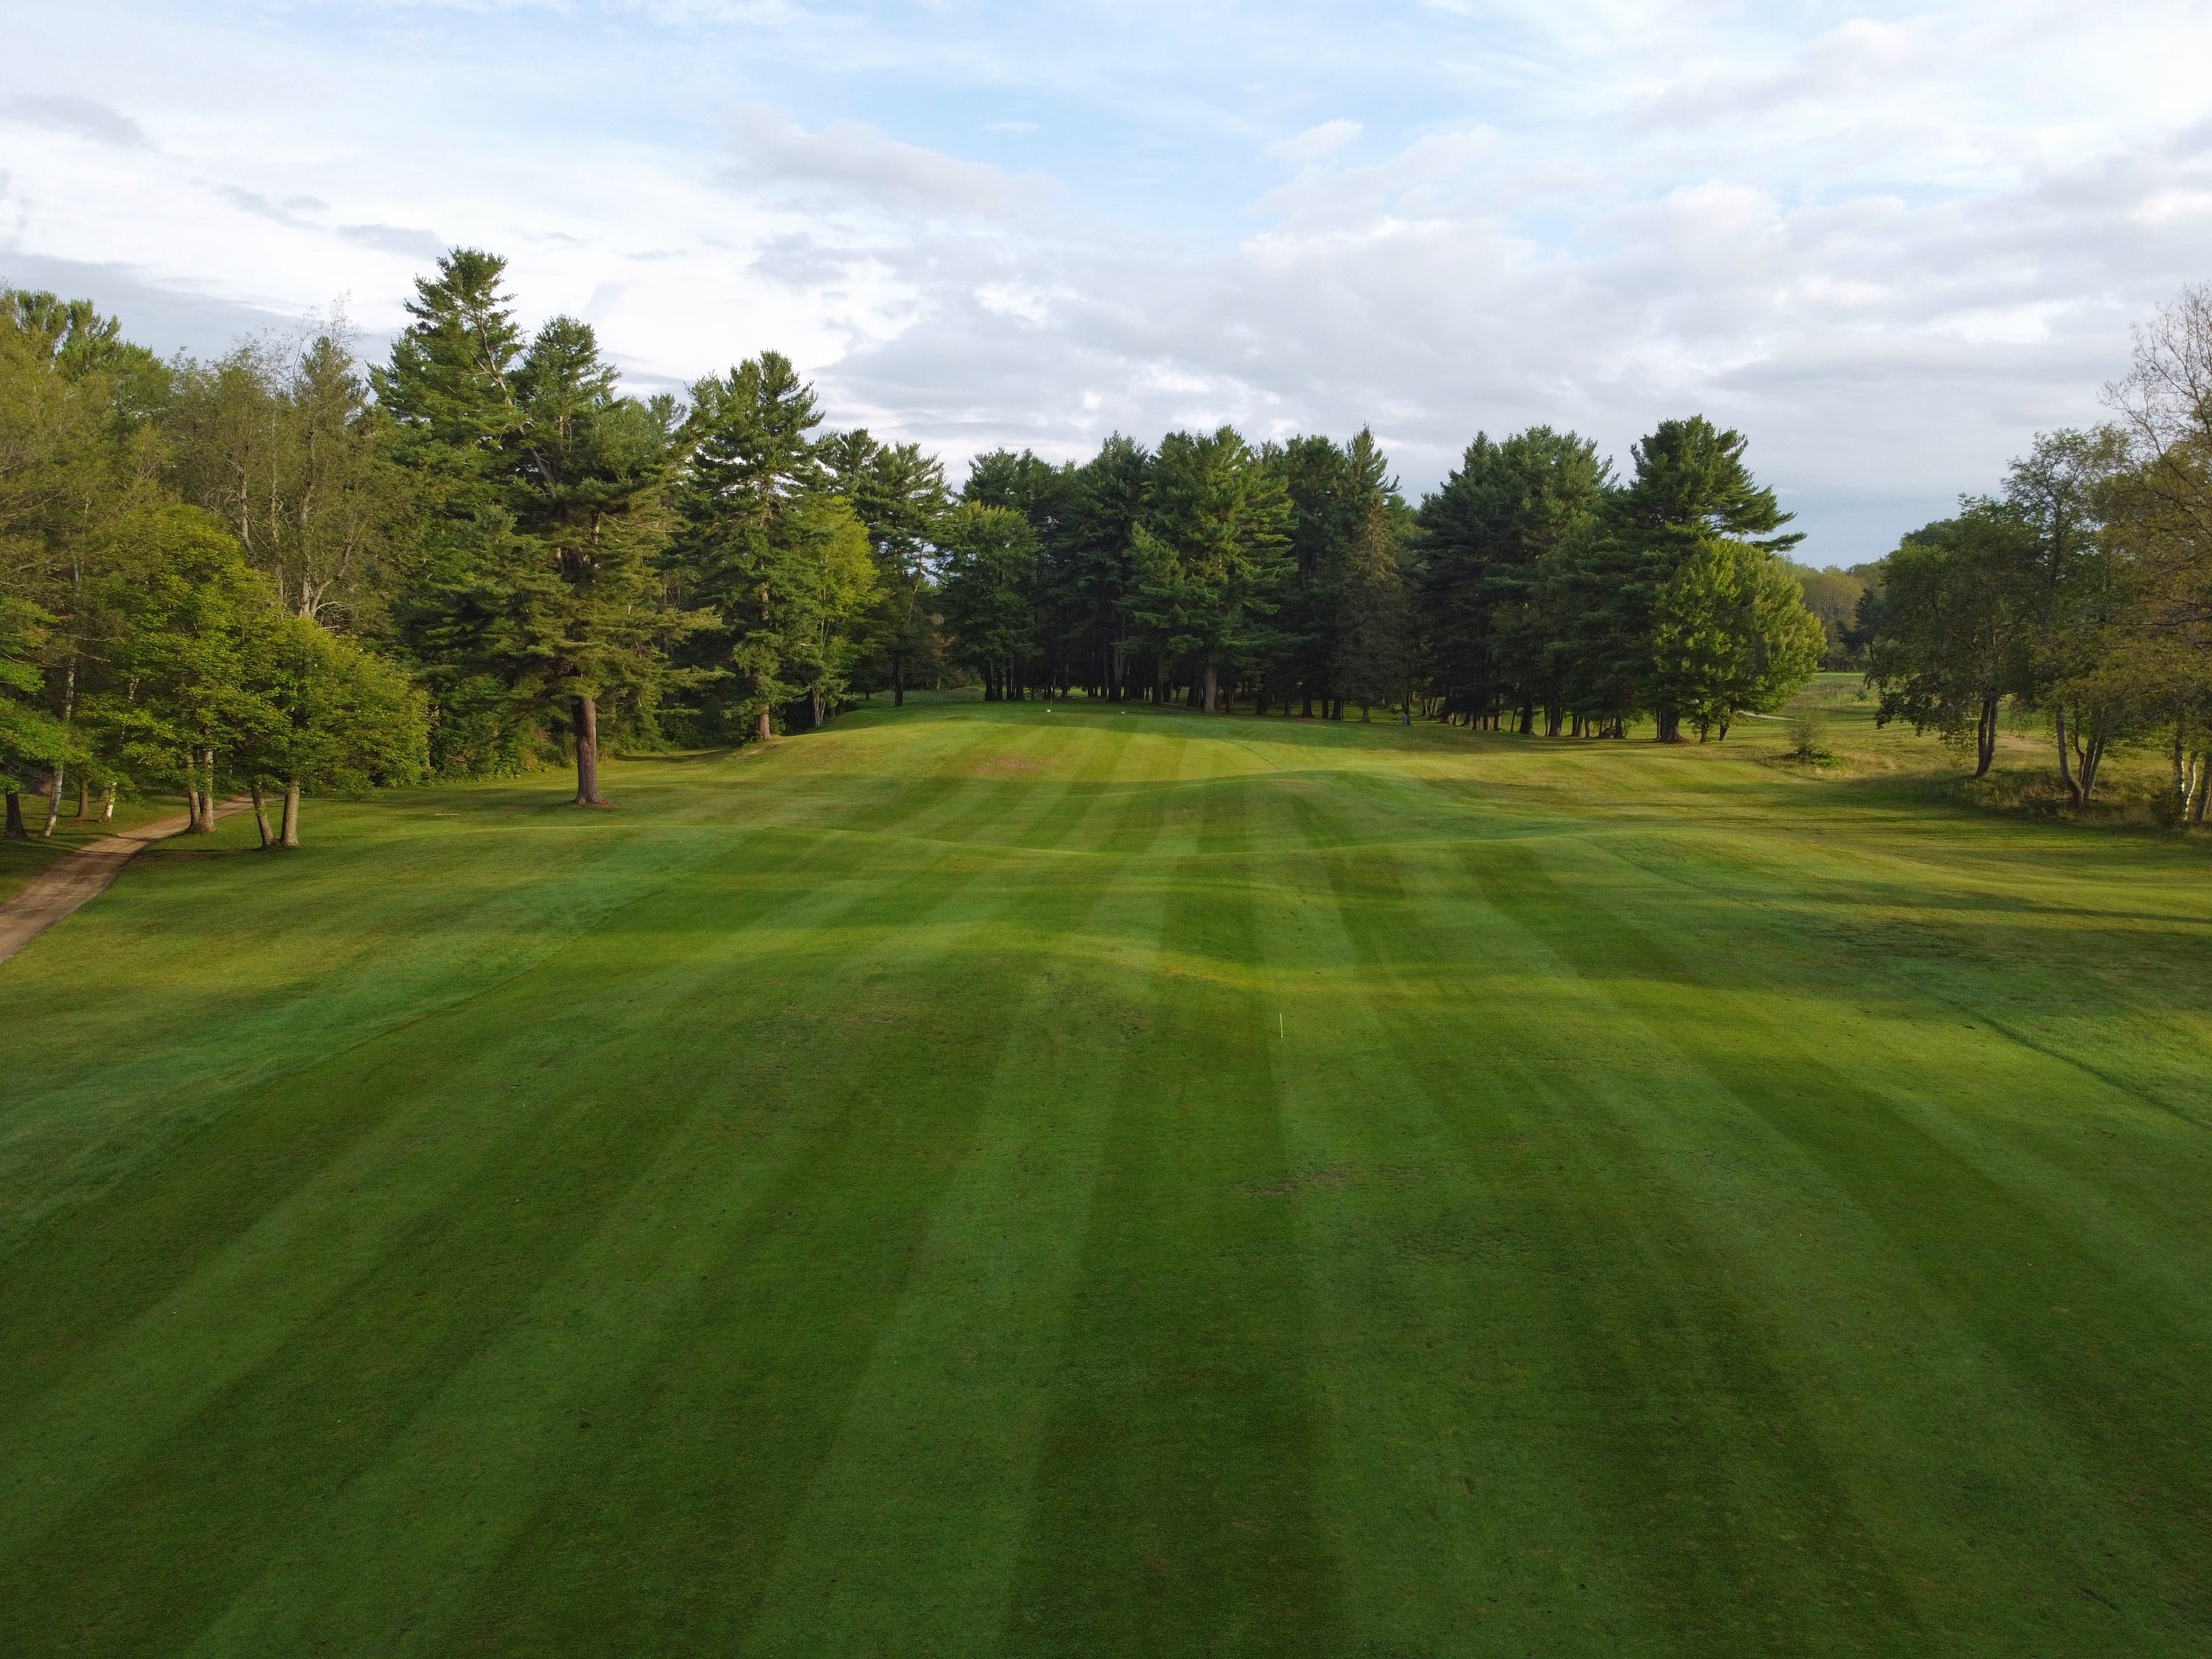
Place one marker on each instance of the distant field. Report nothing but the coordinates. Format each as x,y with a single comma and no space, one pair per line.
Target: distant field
1026,1181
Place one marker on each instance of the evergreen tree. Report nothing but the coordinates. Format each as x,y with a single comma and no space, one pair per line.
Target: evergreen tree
989,570
1048,497
899,496
1486,533
1209,557
448,393
1330,490
1374,656
768,551
569,611
1094,571
1689,486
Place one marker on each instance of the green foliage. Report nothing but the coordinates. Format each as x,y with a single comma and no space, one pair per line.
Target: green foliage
1833,597
1690,482
1375,657
342,718
1808,730
1330,489
1208,553
282,443
897,494
787,582
540,590
29,737
1731,634
1493,537
988,571
188,685
1951,626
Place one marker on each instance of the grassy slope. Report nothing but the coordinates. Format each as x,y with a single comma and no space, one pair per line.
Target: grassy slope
1010,1182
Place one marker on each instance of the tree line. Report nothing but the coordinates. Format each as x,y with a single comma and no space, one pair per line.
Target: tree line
286,571
2078,594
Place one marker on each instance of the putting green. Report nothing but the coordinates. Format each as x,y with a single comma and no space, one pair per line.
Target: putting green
1023,1181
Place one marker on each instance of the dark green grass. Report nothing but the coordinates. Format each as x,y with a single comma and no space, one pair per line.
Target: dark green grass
1002,1181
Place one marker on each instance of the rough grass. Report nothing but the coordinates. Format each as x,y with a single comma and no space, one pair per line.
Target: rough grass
983,1180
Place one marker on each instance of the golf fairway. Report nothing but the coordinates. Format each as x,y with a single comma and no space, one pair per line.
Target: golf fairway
1023,1181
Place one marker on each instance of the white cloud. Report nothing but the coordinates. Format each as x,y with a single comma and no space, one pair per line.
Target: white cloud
850,161
1889,250
1315,142
81,117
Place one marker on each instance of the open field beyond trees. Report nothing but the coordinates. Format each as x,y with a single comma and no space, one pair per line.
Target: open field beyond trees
1026,1180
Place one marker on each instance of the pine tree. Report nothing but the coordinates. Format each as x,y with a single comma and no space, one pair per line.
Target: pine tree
1689,485
899,494
989,574
1329,489
543,580
769,550
1095,571
1375,654
1209,556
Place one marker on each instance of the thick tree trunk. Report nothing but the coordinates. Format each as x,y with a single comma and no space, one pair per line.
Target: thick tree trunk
15,830
2203,795
1668,723
1364,718
588,753
1213,689
814,702
288,835
83,796
53,803
261,818
206,824
766,727
107,806
191,809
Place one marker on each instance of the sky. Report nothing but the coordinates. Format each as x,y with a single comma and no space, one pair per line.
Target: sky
1889,244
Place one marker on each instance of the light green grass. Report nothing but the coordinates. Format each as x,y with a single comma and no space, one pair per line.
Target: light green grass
987,1180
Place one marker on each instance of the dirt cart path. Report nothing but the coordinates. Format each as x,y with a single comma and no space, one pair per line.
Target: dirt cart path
62,885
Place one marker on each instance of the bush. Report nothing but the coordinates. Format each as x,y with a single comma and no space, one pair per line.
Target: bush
1808,737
